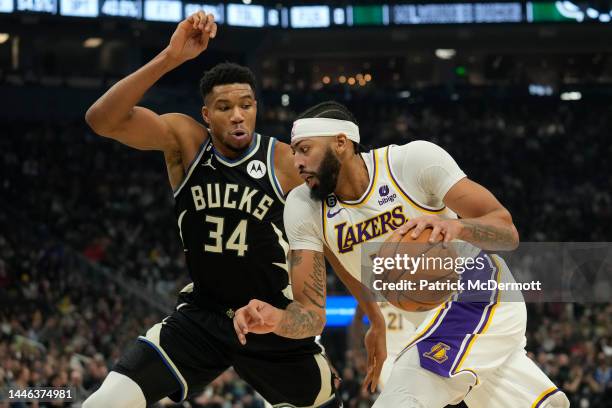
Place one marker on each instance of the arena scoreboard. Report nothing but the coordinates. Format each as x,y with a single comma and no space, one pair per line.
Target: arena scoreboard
320,16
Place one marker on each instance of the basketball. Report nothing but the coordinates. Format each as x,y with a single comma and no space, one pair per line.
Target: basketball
430,282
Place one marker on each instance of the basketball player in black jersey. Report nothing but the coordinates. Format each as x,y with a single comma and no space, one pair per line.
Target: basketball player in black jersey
229,183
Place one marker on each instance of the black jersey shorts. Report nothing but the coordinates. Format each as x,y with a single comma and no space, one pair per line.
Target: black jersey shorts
190,348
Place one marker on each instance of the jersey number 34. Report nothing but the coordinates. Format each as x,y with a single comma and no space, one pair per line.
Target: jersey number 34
236,240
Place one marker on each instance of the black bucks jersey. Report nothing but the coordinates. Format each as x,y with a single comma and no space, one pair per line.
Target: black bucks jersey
230,219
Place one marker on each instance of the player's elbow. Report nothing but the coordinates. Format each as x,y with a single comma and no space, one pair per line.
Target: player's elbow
99,122
513,238
318,322
317,328
322,322
95,120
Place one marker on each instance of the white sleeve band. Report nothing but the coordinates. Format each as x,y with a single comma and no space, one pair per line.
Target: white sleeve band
425,171
302,220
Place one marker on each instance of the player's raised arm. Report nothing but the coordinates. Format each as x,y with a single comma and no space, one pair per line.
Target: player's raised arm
115,113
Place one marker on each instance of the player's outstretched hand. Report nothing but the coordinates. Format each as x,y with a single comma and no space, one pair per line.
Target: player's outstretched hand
447,228
376,346
191,37
257,317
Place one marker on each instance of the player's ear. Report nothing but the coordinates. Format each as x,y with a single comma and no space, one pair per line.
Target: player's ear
205,113
342,143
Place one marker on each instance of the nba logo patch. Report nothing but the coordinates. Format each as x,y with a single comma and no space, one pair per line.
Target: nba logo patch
256,169
438,353
331,200
383,190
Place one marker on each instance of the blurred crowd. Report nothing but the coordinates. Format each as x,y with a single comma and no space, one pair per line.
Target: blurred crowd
74,203
572,343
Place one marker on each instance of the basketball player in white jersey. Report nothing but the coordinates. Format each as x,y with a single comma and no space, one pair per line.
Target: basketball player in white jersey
463,350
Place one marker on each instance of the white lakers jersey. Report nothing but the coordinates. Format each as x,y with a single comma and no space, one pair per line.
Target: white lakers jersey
405,182
464,340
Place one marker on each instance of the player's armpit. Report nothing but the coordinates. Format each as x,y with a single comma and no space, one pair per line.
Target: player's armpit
305,316
485,221
174,168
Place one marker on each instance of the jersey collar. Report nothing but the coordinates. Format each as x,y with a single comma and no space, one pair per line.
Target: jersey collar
242,158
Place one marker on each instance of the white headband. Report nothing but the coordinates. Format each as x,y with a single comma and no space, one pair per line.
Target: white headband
316,127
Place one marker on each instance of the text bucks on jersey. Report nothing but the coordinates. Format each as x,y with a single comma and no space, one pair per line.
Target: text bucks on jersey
229,214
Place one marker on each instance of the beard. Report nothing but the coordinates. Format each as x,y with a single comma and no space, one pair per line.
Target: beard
327,176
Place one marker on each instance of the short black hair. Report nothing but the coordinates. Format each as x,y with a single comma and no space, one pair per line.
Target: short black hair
332,110
223,74
329,110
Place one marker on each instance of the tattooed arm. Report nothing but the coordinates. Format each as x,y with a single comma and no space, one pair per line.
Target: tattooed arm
484,221
493,231
304,317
